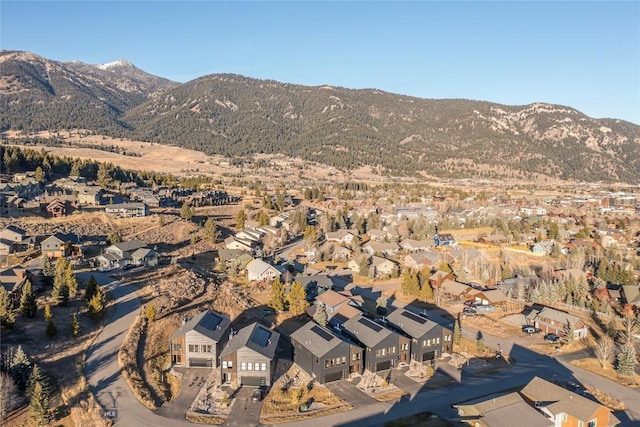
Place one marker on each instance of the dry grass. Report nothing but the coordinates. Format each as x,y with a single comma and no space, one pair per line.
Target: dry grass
283,405
392,395
195,418
592,365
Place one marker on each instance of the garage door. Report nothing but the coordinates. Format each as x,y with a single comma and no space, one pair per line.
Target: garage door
332,376
253,381
381,366
429,355
197,362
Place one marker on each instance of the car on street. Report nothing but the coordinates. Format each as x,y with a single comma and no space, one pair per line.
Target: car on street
256,395
104,269
551,338
469,311
129,267
529,330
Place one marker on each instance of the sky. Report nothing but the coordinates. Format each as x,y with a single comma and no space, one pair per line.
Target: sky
585,55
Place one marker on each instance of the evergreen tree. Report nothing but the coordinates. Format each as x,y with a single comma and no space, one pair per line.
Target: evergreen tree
210,231
47,312
20,368
37,376
320,316
626,361
364,263
150,312
51,329
7,318
47,269
297,299
480,345
60,293
75,325
28,305
92,287
114,237
97,304
426,293
39,175
39,409
186,212
241,218
276,301
568,332
457,333
72,282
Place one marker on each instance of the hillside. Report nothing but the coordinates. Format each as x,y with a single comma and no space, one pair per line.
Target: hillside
239,116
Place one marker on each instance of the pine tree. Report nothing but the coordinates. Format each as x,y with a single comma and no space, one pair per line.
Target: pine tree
297,299
28,305
426,293
480,345
39,409
48,315
186,212
210,231
60,292
457,333
37,376
114,237
626,361
363,264
92,287
75,325
569,332
320,316
150,312
97,304
72,282
47,269
241,218
51,329
20,368
7,318
276,301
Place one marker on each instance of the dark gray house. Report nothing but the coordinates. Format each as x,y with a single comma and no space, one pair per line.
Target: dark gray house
429,339
248,357
197,343
324,355
384,348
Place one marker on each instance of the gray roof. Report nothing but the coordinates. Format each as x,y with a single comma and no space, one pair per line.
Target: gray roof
144,253
131,245
501,411
366,331
257,337
412,324
559,400
317,339
15,229
208,323
556,315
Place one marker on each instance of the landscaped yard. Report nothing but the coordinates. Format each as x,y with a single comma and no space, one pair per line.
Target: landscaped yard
592,365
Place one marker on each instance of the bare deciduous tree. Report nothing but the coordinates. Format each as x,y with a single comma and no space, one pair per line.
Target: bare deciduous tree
604,350
9,396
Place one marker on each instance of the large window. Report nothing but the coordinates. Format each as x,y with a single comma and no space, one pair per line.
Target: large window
593,423
224,364
355,356
249,366
243,366
177,347
264,366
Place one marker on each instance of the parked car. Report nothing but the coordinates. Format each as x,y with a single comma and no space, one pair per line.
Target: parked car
469,311
129,267
104,269
529,330
551,338
256,395
471,303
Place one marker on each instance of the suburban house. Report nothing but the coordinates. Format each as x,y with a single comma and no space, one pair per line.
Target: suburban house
382,266
258,270
554,321
315,284
197,343
566,408
381,235
232,242
145,256
335,252
454,290
420,260
438,277
12,280
383,347
12,239
248,357
127,210
386,249
493,411
11,205
493,297
89,195
416,245
342,236
339,307
121,254
58,208
229,256
444,240
630,294
324,355
60,245
429,339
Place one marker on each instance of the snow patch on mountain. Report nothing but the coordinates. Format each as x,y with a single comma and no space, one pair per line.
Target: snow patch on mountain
115,64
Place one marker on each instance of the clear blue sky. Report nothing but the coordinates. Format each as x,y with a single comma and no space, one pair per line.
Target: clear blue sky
582,54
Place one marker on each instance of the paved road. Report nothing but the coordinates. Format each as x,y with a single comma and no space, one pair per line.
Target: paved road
102,370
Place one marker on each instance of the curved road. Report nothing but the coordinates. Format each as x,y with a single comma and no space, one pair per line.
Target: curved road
102,370
113,392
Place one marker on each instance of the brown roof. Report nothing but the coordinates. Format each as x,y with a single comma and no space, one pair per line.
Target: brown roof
331,298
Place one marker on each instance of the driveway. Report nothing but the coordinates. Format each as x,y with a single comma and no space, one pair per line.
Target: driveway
348,392
244,411
192,381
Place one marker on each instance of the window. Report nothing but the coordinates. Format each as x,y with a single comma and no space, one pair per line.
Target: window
264,366
580,424
593,423
209,348
343,360
224,364
564,417
355,356
384,351
177,347
243,366
428,343
230,364
326,363
249,366
404,346
424,343
438,340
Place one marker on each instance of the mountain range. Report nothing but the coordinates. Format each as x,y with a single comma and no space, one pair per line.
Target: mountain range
393,134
